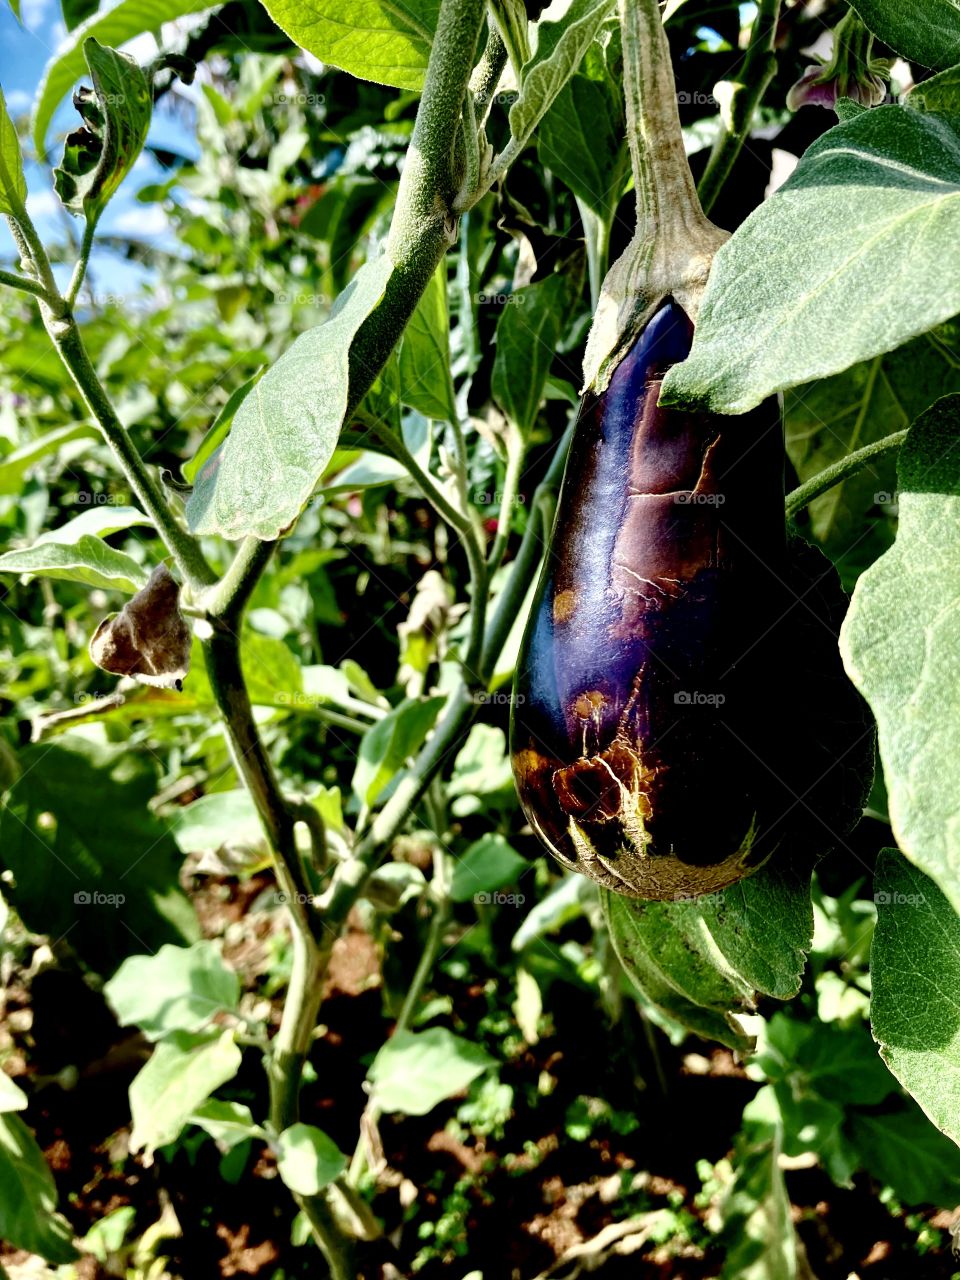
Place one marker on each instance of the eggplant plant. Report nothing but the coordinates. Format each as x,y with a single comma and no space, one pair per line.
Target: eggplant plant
396,460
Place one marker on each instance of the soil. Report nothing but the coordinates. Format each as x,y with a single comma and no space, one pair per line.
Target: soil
526,1194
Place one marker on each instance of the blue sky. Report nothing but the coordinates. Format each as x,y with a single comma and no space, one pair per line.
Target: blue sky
24,52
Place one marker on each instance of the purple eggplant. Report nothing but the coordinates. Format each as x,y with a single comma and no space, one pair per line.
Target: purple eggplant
646,730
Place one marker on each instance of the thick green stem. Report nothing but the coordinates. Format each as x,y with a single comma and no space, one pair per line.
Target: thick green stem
424,225
185,550
742,96
841,470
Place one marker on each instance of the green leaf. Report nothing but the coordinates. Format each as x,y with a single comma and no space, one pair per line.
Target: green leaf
13,185
77,836
666,952
28,1196
77,11
528,332
372,39
125,20
488,864
904,1151
101,520
757,1229
223,817
763,928
414,1071
307,1160
425,381
924,31
86,559
180,1075
560,47
177,989
844,262
116,114
16,464
582,140
385,748
900,648
940,93
826,420
284,433
12,1097
228,1123
915,967
220,428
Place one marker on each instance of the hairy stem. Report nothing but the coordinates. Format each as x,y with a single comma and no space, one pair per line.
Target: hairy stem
841,470
745,95
184,548
14,281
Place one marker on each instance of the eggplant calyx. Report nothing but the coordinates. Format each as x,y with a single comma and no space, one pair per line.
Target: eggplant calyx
674,243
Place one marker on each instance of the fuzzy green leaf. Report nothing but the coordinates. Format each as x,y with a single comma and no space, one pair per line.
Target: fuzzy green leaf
285,431
925,31
900,647
843,263
88,560
915,1010
13,185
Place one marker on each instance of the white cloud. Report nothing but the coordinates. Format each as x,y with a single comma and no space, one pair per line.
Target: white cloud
141,222
18,100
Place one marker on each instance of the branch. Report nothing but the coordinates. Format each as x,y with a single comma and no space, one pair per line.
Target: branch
839,471
746,94
184,548
14,281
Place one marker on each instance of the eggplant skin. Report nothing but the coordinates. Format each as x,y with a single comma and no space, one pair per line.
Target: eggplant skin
647,722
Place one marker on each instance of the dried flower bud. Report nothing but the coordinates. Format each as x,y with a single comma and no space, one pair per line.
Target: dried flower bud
148,639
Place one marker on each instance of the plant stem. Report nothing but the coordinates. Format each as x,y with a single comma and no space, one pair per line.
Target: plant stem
31,248
488,71
672,248
80,269
839,471
746,93
516,447
424,225
184,548
14,281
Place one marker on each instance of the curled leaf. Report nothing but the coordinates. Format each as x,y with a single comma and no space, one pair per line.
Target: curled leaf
116,116
148,639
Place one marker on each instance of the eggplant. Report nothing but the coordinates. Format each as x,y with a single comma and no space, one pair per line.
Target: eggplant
646,725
